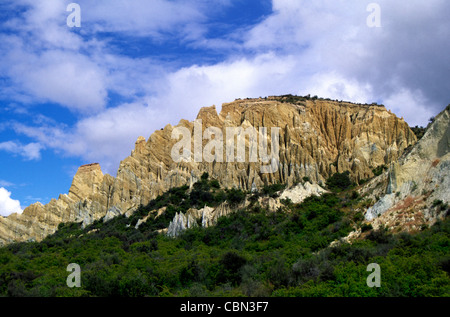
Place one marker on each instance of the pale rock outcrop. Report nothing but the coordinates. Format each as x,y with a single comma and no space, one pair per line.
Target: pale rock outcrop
158,212
210,215
300,192
180,223
409,191
317,138
140,222
111,213
385,202
85,203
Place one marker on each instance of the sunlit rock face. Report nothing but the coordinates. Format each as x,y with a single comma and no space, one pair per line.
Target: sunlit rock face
316,139
414,191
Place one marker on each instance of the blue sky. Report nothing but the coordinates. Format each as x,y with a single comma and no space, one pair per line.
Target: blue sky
71,96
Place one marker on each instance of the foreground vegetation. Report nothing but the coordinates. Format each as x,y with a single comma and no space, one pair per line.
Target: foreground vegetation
252,252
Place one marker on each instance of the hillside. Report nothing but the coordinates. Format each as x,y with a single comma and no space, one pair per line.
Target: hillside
302,232
414,190
250,252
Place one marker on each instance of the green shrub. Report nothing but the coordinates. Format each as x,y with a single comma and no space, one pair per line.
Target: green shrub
339,181
366,227
380,235
286,201
215,183
279,273
190,273
355,195
379,170
306,269
230,265
273,189
251,252
235,196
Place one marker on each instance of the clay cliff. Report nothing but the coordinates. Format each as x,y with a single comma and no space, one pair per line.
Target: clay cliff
316,139
414,191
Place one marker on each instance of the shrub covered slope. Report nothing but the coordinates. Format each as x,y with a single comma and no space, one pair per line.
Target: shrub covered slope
252,252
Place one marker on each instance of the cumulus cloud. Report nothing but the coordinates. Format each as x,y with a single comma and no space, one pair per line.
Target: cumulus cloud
8,205
44,61
198,86
30,151
109,136
71,80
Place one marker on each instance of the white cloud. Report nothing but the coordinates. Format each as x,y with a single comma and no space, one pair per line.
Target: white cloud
45,21
335,86
411,105
43,69
109,136
199,86
30,151
47,61
140,17
71,80
7,204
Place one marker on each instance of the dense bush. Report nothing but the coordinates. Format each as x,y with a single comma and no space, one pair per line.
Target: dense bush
230,265
379,170
339,182
418,131
235,196
272,190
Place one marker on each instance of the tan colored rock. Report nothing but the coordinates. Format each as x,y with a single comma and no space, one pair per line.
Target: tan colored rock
404,195
317,139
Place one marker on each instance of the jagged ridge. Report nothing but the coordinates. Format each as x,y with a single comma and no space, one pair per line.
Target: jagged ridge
317,139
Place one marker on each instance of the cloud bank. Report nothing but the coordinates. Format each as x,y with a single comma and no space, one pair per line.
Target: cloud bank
118,88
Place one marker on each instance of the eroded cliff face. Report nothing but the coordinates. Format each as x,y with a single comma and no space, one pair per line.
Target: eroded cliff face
316,139
414,191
